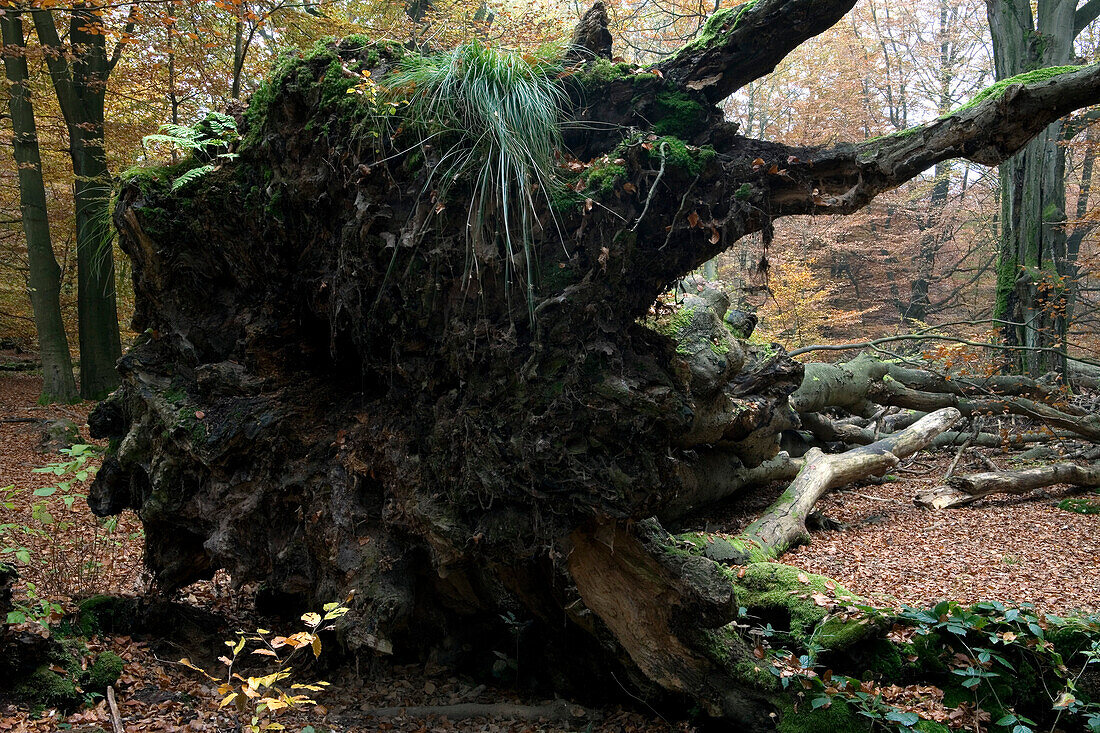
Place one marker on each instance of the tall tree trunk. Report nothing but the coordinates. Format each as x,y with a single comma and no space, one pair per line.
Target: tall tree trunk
81,87
44,282
1032,263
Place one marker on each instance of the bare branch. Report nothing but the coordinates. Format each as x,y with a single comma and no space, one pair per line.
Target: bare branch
741,44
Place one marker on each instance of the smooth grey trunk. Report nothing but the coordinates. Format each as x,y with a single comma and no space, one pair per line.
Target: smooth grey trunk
44,281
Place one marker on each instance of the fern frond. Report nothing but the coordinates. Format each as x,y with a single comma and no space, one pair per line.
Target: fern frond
195,173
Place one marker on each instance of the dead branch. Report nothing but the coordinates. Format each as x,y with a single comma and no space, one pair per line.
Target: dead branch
783,525
961,490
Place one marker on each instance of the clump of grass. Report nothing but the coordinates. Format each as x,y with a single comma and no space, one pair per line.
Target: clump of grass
498,113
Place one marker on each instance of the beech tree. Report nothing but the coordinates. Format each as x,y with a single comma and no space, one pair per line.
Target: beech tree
1036,269
400,346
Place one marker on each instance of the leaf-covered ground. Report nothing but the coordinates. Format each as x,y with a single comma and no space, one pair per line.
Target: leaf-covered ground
1020,548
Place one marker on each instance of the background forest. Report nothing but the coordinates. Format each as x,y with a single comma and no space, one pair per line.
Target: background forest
925,255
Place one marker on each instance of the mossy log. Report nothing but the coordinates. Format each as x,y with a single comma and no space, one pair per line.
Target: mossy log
327,395
962,490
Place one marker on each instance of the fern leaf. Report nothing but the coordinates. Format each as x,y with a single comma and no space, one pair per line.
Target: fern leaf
194,174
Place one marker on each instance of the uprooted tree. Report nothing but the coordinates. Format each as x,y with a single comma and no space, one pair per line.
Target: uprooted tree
384,350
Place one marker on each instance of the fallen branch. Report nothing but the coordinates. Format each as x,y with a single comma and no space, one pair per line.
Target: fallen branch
116,718
962,490
716,476
783,525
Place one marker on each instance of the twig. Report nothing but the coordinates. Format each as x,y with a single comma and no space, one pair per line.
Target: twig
653,188
878,498
116,719
683,200
958,455
987,461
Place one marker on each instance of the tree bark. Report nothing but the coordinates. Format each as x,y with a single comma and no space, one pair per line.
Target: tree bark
81,87
1032,260
44,282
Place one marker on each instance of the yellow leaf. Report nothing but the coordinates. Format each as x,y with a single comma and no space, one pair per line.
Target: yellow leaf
228,699
316,646
311,618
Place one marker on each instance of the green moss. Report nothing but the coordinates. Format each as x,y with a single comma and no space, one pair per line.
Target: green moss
838,717
103,673
717,27
676,324
602,179
46,688
677,114
1081,505
998,88
603,71
677,153
744,192
777,594
931,726
928,653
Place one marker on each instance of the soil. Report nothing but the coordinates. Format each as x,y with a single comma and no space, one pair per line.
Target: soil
1019,548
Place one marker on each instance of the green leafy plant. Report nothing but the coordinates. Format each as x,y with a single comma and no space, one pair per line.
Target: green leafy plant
38,610
497,117
65,563
258,699
208,140
988,647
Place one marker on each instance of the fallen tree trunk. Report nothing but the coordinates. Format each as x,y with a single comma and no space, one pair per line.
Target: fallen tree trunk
962,490
341,384
783,525
865,383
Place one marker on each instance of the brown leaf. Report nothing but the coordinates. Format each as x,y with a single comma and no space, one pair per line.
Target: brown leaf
714,236
803,578
693,219
629,187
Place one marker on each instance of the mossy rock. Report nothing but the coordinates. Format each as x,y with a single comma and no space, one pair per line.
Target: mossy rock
103,614
45,688
783,596
838,717
103,673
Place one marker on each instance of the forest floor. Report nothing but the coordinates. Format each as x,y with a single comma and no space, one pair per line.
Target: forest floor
1018,548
